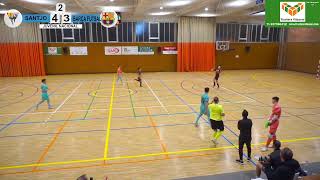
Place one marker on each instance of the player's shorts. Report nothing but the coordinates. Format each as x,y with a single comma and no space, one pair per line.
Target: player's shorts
273,131
217,125
216,77
45,96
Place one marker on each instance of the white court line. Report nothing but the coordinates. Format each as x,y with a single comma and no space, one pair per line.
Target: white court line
154,94
251,100
103,109
64,101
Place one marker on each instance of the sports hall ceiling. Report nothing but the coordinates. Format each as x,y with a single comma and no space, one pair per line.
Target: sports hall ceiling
142,9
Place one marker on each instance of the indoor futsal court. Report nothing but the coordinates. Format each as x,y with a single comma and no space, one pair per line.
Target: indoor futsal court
113,90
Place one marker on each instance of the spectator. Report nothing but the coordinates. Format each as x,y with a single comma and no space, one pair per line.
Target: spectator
244,126
288,168
270,163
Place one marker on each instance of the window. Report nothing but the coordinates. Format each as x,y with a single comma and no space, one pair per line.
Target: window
264,34
243,32
99,32
53,35
67,34
76,35
113,34
154,30
172,32
139,31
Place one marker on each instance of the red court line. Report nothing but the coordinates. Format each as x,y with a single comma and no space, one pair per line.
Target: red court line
45,152
154,125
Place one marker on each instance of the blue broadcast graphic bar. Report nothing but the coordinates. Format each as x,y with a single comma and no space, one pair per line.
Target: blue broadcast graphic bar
41,18
45,18
79,18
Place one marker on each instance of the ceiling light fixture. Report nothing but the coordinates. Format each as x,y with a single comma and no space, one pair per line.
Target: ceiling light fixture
262,13
40,1
111,0
206,15
160,13
161,7
238,3
2,4
178,2
206,9
114,8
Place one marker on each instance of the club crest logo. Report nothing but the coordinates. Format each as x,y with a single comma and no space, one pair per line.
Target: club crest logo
292,12
13,18
109,18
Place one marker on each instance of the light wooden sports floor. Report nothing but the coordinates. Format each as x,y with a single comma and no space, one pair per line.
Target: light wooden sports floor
101,128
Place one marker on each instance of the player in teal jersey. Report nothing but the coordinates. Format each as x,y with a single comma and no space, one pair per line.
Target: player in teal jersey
204,106
44,95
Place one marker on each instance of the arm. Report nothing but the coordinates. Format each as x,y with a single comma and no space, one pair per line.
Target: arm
239,125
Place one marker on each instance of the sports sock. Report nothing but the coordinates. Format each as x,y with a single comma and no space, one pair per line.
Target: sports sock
268,142
219,133
215,134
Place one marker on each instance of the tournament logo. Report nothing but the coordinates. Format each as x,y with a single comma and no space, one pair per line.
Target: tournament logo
292,12
13,18
109,18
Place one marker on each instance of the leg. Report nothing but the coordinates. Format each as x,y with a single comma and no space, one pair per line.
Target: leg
248,144
197,120
214,82
49,105
241,143
140,80
39,104
218,83
258,169
219,133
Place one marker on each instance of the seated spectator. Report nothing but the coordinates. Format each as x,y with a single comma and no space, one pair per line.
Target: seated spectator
270,163
288,168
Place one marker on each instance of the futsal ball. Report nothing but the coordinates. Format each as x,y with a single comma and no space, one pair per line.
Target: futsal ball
237,56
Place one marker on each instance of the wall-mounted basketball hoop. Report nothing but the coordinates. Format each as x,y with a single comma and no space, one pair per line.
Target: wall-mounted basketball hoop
222,45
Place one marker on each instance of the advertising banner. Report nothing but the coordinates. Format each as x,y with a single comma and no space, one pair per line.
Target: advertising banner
169,50
112,50
53,51
130,50
292,13
79,51
145,50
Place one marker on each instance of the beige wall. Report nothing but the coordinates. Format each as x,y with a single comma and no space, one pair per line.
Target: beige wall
97,62
303,50
260,56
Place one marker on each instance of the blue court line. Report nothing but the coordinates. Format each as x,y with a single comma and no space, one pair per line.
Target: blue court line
88,119
182,100
21,115
95,130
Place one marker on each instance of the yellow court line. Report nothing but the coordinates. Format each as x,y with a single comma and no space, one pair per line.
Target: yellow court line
109,120
148,155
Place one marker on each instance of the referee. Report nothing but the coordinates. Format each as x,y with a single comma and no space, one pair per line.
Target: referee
216,114
244,126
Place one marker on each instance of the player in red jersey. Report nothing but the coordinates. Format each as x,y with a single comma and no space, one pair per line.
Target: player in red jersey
216,77
119,73
273,122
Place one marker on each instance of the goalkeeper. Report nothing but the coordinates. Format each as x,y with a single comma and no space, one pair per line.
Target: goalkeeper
273,122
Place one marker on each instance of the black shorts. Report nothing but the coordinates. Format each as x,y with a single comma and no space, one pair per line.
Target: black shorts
216,77
217,125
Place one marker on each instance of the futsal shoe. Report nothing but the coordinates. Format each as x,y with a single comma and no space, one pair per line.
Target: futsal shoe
50,107
264,149
214,141
240,161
